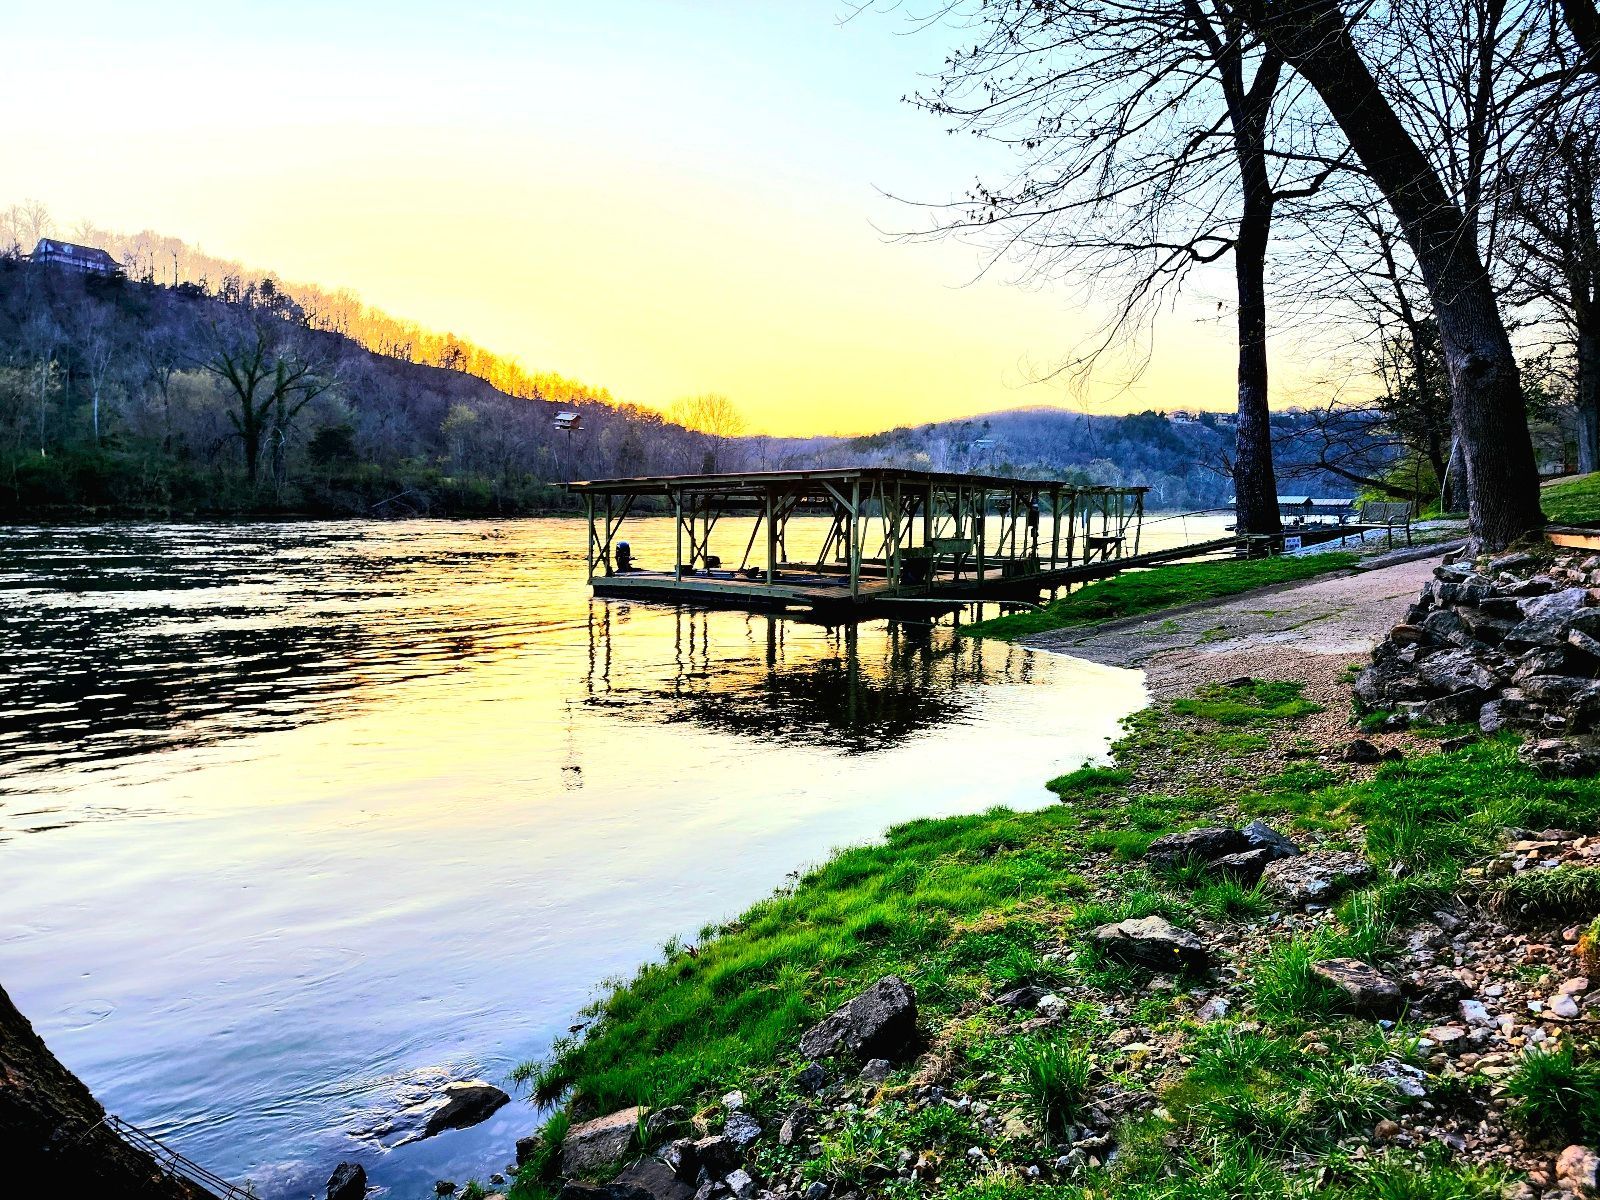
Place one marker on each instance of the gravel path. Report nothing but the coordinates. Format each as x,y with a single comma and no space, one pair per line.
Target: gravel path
1310,632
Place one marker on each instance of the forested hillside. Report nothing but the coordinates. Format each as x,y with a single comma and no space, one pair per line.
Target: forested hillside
128,396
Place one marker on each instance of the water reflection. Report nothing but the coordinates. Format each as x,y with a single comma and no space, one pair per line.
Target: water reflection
860,695
337,810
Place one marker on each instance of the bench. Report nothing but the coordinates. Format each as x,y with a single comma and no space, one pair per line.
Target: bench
1391,514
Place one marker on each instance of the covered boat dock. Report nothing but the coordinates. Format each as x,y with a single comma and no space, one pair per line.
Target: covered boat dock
895,540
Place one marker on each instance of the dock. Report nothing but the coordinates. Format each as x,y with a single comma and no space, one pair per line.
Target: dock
898,541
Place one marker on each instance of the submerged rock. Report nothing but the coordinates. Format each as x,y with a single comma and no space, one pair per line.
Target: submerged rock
597,1144
1152,942
465,1103
879,1023
348,1182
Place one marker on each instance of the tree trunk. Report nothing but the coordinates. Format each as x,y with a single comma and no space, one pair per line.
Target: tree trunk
1588,345
1502,479
1254,481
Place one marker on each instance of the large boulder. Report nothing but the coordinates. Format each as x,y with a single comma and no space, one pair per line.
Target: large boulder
1174,849
1362,987
465,1103
1152,942
1545,618
1316,878
655,1179
879,1023
597,1144
348,1182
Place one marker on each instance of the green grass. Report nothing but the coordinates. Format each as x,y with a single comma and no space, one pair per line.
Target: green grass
1555,1096
1255,703
1139,592
1573,501
1565,892
1054,1076
1090,782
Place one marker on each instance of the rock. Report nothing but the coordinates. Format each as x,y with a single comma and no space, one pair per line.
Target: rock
793,1126
1545,618
1262,836
741,1129
879,1023
1316,878
1455,671
1515,561
1206,844
1363,988
1152,942
1578,1170
733,1101
595,1145
877,1070
1406,1079
1213,1009
1385,1131
348,1182
444,1187
1445,627
576,1189
1361,751
1246,866
664,1121
811,1079
740,1184
654,1179
1025,997
465,1103
1473,1012
1563,1006
527,1147
1452,744
715,1155
1587,643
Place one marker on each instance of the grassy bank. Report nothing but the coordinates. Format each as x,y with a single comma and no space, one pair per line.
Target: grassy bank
1573,501
1272,1100
1161,587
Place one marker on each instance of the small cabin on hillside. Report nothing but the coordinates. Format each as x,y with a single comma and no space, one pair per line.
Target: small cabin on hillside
90,260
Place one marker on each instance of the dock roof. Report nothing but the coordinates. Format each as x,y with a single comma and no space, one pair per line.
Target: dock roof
751,481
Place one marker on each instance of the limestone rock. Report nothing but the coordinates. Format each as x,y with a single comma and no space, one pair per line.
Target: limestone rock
1153,942
1363,988
1206,844
879,1023
465,1103
1545,618
741,1129
1455,671
1578,1170
597,1144
1316,878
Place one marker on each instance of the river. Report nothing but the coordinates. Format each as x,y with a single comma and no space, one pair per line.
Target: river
300,820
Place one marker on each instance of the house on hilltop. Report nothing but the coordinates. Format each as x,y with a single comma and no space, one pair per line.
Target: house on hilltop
90,260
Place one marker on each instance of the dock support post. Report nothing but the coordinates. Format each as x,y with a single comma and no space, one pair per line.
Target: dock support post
980,513
1055,525
677,528
772,542
588,515
855,540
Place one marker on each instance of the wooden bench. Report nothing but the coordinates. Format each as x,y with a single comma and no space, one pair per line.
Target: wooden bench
1391,514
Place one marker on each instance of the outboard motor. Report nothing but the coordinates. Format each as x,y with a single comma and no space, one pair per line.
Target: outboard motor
624,555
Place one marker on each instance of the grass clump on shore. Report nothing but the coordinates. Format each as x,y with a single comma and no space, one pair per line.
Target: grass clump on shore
1137,592
1573,501
1555,1095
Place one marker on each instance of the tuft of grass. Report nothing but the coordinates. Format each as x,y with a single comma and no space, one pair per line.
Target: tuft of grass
1137,592
1255,703
1054,1075
1230,899
1573,501
539,1172
1555,1095
1090,783
1563,892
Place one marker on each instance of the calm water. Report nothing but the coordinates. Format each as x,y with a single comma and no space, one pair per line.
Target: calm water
298,821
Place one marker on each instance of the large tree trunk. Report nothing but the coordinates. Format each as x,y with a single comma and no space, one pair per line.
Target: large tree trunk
1255,483
1502,479
1583,20
1588,345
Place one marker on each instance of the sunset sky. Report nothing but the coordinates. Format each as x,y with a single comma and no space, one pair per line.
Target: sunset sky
659,198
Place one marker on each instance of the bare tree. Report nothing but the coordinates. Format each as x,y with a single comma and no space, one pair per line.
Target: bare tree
271,379
711,414
1502,482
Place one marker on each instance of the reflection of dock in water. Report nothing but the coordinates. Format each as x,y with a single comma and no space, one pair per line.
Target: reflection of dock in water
898,542
836,686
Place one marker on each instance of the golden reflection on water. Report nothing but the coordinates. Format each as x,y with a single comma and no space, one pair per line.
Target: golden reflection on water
299,817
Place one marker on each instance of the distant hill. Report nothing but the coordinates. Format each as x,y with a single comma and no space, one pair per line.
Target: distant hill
116,397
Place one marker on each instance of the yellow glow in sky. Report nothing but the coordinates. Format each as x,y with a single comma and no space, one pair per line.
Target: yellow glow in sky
657,198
